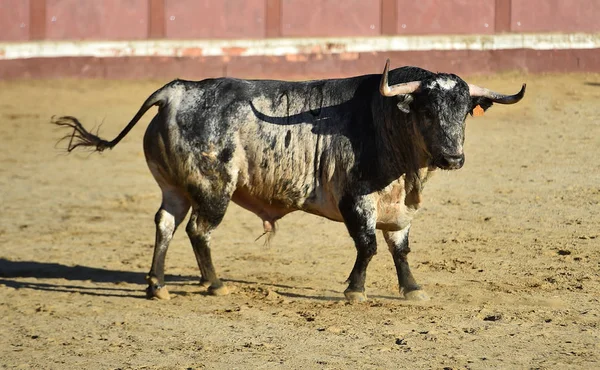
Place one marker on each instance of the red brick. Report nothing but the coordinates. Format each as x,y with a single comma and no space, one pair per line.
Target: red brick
311,66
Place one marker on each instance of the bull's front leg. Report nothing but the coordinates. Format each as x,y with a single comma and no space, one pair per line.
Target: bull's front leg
360,218
398,243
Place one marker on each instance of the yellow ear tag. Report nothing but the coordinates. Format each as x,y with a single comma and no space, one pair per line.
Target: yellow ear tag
478,111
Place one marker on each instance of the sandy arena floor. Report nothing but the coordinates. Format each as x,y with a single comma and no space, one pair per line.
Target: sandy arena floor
508,248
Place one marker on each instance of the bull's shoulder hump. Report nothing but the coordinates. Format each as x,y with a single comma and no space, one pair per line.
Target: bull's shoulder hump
409,73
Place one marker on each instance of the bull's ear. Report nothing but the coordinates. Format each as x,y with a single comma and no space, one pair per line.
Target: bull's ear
484,103
404,102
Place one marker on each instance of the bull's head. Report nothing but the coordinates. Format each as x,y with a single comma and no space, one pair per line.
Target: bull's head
439,106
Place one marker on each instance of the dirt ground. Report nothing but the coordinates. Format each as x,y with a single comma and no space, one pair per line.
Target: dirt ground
508,248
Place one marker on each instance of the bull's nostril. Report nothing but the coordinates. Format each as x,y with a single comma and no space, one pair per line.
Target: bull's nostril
452,161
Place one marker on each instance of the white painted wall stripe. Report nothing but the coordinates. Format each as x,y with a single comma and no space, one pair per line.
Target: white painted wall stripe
289,46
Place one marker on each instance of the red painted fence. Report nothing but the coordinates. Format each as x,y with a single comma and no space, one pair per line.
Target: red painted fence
23,21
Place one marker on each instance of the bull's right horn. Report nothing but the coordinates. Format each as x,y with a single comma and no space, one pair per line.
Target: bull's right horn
398,89
476,91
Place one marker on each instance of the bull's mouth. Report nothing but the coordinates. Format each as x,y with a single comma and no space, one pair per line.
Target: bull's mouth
449,162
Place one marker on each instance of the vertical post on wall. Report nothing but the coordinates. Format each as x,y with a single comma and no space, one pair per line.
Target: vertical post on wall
156,19
273,18
502,22
389,17
37,19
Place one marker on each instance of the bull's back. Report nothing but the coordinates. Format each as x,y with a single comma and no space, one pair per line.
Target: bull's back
284,143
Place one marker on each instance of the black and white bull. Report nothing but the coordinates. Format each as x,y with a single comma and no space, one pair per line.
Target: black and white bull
355,150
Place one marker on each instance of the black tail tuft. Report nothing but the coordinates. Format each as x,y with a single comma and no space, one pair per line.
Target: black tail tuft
80,137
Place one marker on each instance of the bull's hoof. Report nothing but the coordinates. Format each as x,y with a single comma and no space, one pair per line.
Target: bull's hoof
157,292
204,283
355,297
218,291
416,295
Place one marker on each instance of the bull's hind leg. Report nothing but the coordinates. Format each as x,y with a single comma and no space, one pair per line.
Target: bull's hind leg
203,280
172,211
207,214
398,243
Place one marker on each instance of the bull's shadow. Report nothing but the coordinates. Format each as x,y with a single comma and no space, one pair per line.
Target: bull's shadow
325,120
353,110
11,271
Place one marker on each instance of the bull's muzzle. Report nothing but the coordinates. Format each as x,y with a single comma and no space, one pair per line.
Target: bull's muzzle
450,161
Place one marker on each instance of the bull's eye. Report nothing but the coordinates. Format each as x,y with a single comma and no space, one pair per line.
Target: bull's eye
427,117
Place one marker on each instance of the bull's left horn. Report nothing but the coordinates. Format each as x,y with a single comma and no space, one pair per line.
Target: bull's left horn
399,89
477,91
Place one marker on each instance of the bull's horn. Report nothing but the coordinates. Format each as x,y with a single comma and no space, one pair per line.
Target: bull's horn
399,89
477,91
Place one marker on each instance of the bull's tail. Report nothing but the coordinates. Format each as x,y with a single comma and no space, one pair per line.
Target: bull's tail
80,137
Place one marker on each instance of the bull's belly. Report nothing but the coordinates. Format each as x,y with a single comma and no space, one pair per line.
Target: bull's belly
391,216
392,211
266,209
271,207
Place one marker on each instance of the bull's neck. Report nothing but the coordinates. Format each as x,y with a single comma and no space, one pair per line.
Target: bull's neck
397,144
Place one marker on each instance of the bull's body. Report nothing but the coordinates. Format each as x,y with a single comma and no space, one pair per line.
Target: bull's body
334,148
276,147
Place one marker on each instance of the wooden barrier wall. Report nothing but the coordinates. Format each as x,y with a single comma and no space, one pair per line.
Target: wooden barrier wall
30,22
